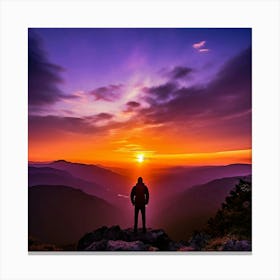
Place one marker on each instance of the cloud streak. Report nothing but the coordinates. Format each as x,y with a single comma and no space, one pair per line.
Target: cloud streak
199,45
107,93
203,50
180,72
160,93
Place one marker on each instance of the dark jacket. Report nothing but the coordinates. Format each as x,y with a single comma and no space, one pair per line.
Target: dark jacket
139,195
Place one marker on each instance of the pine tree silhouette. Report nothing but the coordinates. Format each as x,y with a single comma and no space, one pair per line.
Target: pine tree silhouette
235,215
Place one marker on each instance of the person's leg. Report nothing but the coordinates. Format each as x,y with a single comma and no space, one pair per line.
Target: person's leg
136,211
143,212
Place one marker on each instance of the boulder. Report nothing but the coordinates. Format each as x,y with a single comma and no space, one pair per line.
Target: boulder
116,239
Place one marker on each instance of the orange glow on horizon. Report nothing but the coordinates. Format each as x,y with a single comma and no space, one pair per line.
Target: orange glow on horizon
139,146
168,159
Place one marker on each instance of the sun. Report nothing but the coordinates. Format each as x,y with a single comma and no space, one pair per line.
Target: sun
140,158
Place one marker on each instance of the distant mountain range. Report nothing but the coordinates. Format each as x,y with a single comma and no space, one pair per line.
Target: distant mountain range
92,173
76,198
91,179
53,176
181,178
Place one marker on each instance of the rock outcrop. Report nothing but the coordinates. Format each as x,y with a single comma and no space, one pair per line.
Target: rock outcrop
117,239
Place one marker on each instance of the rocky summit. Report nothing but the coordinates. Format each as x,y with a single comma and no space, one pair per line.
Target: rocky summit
116,239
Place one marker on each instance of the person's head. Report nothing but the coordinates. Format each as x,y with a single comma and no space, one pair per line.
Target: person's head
140,180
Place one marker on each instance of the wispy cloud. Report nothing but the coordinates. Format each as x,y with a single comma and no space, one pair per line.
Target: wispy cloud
129,148
180,72
100,119
199,45
204,50
107,93
159,93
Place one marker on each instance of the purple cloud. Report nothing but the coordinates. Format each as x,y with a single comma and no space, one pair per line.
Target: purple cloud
107,93
133,104
160,93
44,77
99,117
180,72
44,126
55,125
104,116
227,98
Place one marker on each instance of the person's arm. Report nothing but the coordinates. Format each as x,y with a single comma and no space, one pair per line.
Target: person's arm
147,195
132,195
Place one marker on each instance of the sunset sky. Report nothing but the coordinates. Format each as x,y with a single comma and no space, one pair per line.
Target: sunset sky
140,96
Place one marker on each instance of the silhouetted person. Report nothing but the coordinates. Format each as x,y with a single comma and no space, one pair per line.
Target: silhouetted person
139,197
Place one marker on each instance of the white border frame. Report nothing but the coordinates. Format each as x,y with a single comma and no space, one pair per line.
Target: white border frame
17,16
